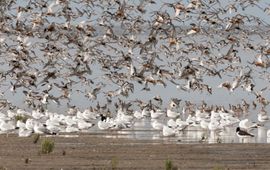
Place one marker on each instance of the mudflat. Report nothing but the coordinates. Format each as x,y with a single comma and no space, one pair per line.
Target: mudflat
94,152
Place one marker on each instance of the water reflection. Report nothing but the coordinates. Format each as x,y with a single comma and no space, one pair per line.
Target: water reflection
142,130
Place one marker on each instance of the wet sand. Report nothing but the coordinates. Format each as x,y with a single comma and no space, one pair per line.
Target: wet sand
94,152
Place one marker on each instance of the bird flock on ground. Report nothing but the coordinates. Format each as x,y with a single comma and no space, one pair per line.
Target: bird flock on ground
107,64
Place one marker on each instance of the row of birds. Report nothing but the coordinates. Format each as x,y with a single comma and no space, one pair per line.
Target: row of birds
26,123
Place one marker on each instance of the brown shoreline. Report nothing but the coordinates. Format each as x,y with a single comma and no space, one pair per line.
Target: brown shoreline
92,152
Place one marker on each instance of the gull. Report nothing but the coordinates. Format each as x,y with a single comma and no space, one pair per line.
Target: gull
193,30
167,131
70,120
50,10
268,133
204,123
71,129
262,116
201,115
89,114
6,126
20,124
246,124
53,126
146,112
4,117
23,112
121,116
39,128
260,63
23,132
214,125
138,115
174,103
29,124
155,114
172,114
82,124
178,7
93,94
157,125
181,124
105,123
11,114
243,134
36,114
172,123
231,86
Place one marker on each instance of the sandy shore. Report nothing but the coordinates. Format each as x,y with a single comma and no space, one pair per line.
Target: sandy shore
93,152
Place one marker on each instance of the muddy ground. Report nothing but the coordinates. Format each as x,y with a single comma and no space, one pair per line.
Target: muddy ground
93,152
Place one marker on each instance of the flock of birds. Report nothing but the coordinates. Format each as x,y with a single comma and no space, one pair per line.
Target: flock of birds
106,63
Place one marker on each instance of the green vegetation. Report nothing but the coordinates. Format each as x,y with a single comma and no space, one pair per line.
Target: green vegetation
114,163
218,168
168,165
21,118
47,146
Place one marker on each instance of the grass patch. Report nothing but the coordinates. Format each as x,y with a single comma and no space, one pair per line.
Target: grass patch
21,118
168,165
47,146
114,163
218,168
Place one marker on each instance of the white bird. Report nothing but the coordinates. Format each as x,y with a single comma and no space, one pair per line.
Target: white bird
53,128
192,120
70,121
39,128
6,126
214,125
79,115
157,125
246,124
268,133
145,112
122,117
181,124
71,129
200,115
105,124
89,115
204,124
36,114
23,132
172,123
263,117
138,115
23,112
20,124
4,117
167,131
172,114
11,114
84,125
29,124
156,114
